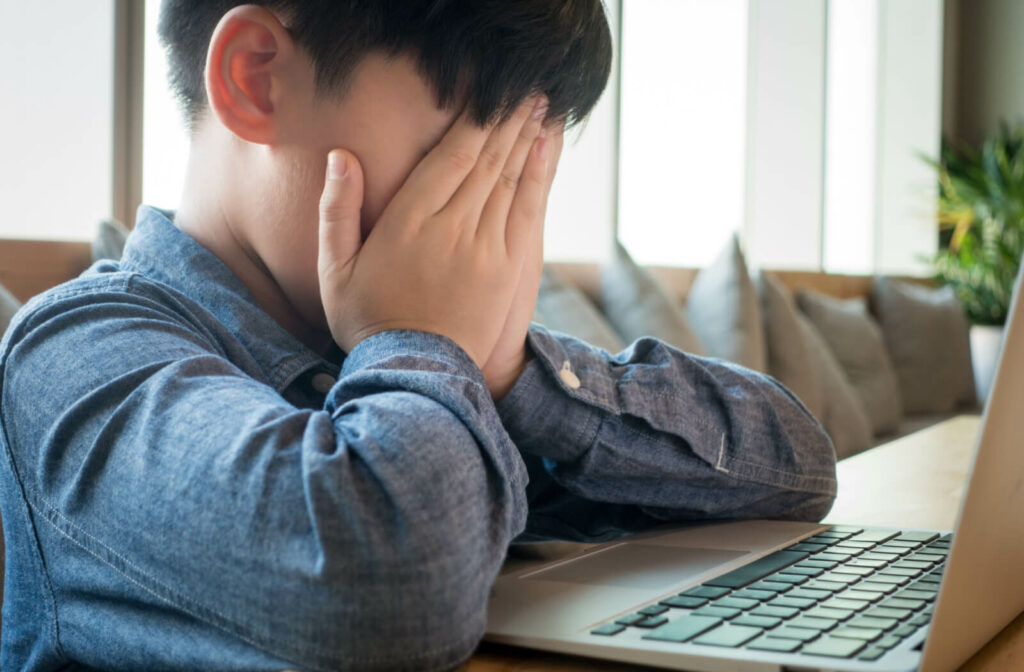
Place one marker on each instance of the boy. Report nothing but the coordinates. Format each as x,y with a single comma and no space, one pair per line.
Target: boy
280,435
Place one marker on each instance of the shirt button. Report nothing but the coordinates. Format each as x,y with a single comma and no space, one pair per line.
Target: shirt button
323,382
568,377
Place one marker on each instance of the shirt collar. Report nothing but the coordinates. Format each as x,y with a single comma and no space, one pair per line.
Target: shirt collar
163,252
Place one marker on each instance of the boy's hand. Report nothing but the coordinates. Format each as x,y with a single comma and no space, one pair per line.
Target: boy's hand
444,256
509,357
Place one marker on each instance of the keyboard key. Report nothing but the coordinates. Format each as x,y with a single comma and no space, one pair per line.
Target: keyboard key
892,550
717,612
735,603
809,594
834,554
875,586
709,592
632,619
864,595
920,537
794,602
899,571
843,572
846,529
813,623
794,579
773,586
927,557
903,543
878,555
753,594
817,564
758,569
873,564
651,622
608,629
728,635
804,571
684,602
912,564
920,619
873,623
653,610
775,612
683,629
833,647
819,584
862,545
904,631
888,612
902,603
888,642
863,634
842,603
829,612
871,653
821,539
802,634
807,548
775,644
765,622
917,594
877,536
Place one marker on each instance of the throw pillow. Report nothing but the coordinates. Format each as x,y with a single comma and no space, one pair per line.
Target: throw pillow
562,307
8,307
787,348
858,344
109,241
723,308
843,416
637,305
927,334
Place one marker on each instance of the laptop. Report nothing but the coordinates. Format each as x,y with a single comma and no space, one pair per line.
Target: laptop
775,595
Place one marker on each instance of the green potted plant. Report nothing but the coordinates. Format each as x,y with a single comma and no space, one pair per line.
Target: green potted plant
981,219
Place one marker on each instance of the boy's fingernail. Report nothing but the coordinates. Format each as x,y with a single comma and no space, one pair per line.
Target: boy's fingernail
337,165
540,108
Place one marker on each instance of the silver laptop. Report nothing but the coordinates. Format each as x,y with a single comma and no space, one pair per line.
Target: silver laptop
772,595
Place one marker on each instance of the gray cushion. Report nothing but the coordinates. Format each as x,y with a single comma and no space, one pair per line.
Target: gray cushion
637,305
562,307
724,310
858,344
927,335
109,241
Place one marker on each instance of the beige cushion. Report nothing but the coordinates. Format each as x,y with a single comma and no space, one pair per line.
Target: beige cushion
843,417
562,307
724,310
788,349
858,344
637,305
799,358
927,335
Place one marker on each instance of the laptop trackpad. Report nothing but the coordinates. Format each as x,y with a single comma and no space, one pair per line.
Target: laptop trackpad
636,565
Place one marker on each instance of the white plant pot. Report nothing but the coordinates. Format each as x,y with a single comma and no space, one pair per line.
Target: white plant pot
986,341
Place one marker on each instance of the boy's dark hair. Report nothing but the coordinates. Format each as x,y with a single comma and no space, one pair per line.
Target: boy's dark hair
500,50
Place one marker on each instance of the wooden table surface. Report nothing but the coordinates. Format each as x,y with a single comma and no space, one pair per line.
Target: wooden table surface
916,481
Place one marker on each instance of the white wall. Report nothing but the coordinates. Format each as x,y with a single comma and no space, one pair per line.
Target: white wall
785,137
57,115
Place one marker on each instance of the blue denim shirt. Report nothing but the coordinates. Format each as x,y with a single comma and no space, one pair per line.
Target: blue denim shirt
186,486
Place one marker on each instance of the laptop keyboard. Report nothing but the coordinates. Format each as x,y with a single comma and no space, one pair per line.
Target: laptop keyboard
846,592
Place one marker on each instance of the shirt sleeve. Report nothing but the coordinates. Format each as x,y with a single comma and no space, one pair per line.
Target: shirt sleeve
618,444
174,494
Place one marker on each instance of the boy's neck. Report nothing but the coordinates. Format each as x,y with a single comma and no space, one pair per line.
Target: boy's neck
210,214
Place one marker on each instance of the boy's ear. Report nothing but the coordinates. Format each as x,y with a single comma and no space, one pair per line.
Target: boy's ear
250,52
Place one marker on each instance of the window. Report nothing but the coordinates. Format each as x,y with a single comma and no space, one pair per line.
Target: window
56,177
683,128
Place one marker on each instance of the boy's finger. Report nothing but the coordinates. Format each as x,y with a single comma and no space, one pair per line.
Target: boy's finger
556,140
438,176
340,207
468,202
526,218
495,212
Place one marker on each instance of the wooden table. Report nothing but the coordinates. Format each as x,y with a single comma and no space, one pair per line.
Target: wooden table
916,481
